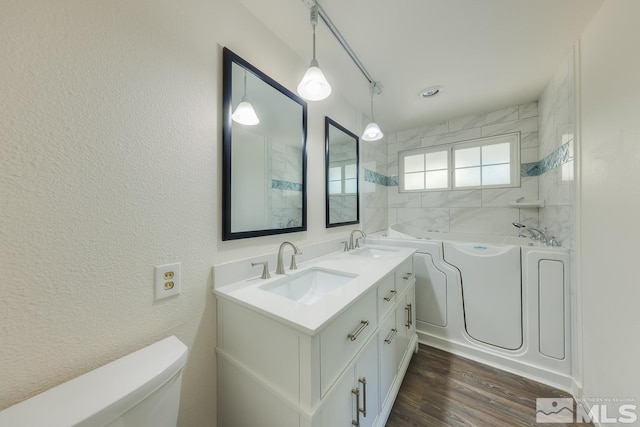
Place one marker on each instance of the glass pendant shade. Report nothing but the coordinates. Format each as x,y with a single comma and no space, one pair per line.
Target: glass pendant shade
245,114
314,85
372,132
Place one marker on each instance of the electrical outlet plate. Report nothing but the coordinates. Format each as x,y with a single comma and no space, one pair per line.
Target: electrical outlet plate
167,280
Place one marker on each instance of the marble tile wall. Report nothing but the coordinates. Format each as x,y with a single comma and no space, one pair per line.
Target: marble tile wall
557,112
374,215
286,186
469,211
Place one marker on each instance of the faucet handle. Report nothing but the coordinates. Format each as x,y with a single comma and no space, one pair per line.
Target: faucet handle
358,242
346,246
293,265
552,241
265,269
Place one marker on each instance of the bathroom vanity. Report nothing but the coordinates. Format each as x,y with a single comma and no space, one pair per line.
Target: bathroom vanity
322,346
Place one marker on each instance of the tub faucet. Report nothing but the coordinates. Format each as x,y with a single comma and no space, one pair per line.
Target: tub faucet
534,233
357,245
280,265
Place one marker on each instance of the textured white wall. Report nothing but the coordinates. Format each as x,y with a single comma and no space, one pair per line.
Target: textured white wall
109,153
610,201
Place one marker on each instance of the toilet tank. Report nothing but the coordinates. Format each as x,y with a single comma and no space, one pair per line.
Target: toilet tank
141,389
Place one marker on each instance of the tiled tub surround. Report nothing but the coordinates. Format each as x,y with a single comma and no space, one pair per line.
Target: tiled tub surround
557,109
475,211
374,212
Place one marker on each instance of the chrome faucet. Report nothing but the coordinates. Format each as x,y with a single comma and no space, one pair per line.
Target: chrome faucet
280,265
357,245
534,233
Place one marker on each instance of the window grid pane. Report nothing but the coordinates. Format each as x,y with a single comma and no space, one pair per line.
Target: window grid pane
468,177
496,154
414,181
496,174
437,161
437,179
466,157
414,163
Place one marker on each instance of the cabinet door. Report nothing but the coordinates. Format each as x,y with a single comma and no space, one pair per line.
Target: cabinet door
405,322
355,395
387,339
338,408
368,383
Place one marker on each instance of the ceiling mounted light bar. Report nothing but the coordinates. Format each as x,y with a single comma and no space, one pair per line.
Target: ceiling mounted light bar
334,30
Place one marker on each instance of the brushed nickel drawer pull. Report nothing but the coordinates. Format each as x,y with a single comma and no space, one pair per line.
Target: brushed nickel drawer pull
356,422
391,336
363,381
363,324
409,309
390,295
407,276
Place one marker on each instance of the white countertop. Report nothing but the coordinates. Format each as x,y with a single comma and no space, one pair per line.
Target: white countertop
311,318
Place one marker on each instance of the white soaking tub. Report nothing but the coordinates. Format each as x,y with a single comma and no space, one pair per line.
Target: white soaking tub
500,300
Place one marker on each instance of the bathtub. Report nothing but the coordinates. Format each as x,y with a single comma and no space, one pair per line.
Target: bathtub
501,300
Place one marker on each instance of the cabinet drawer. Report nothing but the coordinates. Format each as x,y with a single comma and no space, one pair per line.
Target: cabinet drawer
388,340
404,275
342,338
387,295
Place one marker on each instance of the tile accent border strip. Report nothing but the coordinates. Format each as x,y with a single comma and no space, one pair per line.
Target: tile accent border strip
276,184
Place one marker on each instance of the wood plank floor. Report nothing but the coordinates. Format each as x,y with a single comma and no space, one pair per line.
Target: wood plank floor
441,389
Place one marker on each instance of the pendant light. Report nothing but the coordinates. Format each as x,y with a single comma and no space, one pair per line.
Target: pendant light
314,85
245,114
372,131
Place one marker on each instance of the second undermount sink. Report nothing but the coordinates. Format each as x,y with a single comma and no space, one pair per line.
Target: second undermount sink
309,286
373,252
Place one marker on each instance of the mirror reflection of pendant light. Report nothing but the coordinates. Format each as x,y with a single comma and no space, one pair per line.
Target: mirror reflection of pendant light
314,85
372,132
245,114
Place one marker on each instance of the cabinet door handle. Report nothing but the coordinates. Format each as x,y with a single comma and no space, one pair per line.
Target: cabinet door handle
354,335
363,381
390,295
409,309
356,422
391,336
407,276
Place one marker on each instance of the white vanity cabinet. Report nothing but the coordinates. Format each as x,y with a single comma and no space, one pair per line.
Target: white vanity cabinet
272,373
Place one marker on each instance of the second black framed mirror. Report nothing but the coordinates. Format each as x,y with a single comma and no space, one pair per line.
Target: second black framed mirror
342,176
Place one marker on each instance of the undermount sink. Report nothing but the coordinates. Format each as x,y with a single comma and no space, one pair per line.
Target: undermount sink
373,252
309,286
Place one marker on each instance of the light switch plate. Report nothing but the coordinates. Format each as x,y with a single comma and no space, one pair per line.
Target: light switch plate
167,280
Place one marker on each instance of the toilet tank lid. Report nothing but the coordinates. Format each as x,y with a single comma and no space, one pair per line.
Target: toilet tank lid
104,393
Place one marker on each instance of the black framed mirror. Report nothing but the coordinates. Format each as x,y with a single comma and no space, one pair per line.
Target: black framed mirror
342,178
264,154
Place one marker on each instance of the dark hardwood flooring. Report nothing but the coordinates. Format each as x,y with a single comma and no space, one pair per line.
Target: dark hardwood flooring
441,389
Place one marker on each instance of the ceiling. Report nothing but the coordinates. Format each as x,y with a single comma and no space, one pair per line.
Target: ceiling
487,54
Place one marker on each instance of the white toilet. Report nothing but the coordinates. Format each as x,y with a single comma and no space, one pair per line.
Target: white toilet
141,389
